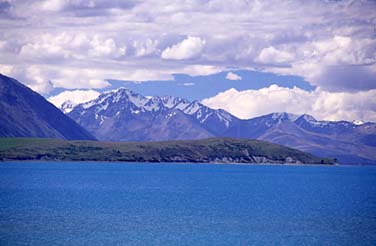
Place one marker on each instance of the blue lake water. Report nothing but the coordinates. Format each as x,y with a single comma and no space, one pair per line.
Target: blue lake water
165,204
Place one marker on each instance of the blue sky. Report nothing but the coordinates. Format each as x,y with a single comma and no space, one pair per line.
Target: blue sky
316,57
201,87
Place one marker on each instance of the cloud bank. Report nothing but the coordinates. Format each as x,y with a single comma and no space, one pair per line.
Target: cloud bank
323,41
80,44
321,104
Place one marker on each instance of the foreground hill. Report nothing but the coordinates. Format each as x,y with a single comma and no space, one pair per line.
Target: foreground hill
123,115
25,113
212,150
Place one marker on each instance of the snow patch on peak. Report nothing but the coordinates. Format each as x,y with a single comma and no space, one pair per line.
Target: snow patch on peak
224,117
174,102
192,108
88,104
171,114
280,116
313,122
153,104
168,102
308,118
358,122
115,91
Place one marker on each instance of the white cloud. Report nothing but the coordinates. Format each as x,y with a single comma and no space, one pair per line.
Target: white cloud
43,78
196,70
33,76
145,47
6,69
189,48
105,48
72,46
53,5
338,63
330,39
75,97
321,104
274,56
233,76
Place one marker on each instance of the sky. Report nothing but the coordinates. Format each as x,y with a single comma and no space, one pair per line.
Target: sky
248,57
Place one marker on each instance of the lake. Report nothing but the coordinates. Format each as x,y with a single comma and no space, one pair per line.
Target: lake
65,203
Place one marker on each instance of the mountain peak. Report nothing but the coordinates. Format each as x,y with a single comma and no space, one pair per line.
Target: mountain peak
283,116
122,106
153,103
308,118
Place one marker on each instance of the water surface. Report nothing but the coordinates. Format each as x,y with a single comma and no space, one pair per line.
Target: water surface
65,203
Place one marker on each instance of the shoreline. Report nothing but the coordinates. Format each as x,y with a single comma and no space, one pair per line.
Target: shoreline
214,150
179,163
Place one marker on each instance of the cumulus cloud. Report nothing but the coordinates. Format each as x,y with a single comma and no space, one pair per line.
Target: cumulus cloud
75,97
54,5
233,76
72,46
196,70
33,76
264,34
145,47
321,104
274,56
106,47
338,63
189,48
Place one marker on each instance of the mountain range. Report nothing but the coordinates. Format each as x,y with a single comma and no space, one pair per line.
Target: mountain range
25,113
123,115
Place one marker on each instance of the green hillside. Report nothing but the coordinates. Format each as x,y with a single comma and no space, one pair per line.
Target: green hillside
212,150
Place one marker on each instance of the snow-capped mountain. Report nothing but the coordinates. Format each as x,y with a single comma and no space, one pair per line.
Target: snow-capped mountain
123,115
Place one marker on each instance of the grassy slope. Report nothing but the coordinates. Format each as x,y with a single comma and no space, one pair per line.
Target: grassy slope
206,150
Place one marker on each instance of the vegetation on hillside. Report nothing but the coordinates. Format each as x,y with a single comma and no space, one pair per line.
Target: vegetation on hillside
220,150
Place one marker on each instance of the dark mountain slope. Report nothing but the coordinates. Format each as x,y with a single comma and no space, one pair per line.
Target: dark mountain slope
25,113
